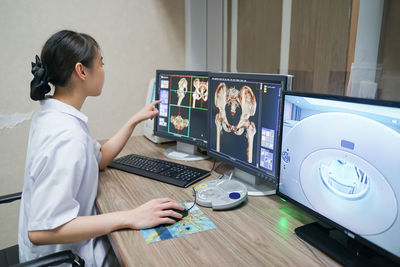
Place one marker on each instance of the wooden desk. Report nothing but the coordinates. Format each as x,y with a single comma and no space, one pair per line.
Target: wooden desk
258,233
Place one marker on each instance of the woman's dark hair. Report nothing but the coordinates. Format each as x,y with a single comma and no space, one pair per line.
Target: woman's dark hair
59,56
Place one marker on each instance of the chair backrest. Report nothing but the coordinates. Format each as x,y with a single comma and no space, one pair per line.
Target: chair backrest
10,197
10,256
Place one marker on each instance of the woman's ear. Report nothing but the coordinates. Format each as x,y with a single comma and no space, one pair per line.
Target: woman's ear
80,71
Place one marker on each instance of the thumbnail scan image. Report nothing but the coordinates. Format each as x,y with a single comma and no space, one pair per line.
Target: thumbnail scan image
179,120
182,89
200,92
239,106
189,91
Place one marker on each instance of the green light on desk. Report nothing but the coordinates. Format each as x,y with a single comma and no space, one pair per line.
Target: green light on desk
288,211
295,213
283,226
283,223
284,200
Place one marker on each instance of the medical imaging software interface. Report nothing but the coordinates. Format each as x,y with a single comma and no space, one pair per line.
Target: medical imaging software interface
245,120
341,160
184,108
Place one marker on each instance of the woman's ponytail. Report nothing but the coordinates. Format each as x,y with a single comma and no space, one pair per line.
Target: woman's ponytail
39,85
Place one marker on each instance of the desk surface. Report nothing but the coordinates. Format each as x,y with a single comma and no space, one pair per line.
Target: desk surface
258,233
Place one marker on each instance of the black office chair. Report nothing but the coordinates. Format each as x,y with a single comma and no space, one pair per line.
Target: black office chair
10,256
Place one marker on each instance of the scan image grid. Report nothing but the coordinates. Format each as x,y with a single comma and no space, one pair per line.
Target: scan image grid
187,93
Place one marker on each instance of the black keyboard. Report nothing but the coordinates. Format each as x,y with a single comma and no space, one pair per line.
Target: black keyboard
160,170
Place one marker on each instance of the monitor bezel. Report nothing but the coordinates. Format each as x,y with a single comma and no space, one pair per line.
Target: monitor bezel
272,78
322,218
187,140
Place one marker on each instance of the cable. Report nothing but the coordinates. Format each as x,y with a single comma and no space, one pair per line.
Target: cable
194,191
314,251
220,176
213,165
194,202
219,164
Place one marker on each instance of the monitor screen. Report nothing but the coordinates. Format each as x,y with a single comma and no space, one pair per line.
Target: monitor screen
244,121
340,160
183,112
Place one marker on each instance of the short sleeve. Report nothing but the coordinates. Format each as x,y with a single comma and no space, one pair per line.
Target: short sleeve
57,174
97,152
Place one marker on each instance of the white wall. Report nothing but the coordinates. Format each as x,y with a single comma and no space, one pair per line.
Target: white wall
196,34
205,22
136,38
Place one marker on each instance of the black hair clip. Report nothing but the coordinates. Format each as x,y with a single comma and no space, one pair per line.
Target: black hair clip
39,84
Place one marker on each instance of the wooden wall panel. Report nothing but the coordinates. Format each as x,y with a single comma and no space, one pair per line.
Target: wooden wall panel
355,8
318,45
228,36
259,35
389,82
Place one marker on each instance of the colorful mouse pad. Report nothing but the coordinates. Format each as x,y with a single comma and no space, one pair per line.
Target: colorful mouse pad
194,222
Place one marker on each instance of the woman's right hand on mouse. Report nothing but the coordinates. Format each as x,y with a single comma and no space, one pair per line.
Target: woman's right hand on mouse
152,213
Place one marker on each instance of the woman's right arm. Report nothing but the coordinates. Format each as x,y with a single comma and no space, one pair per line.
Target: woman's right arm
150,214
115,144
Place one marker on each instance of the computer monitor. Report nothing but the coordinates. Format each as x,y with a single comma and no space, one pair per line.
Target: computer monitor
340,160
183,112
244,126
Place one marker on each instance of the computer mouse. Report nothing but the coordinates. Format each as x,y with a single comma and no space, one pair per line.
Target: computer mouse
184,213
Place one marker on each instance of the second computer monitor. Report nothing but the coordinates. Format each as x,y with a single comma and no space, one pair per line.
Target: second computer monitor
244,125
183,112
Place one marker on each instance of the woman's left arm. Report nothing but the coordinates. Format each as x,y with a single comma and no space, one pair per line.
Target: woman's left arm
115,144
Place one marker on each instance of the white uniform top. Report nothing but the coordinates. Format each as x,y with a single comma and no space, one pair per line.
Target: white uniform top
61,178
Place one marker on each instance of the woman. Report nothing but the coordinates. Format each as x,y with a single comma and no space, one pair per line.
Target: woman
62,165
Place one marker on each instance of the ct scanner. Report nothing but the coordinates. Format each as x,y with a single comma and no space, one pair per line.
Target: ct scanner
348,169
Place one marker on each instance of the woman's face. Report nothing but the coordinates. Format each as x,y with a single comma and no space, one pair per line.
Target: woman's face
95,79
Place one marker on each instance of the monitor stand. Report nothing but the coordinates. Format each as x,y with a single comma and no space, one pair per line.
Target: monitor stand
339,246
184,152
255,186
